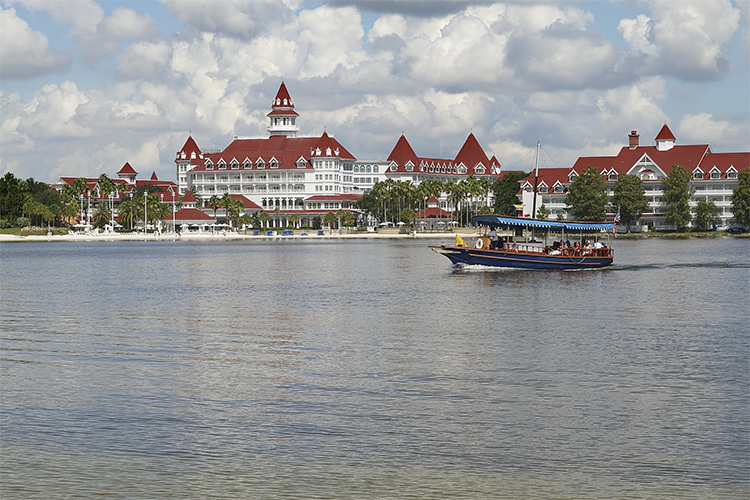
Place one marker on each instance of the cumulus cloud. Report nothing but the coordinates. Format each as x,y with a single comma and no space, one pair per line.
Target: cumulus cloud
511,72
233,17
25,53
98,36
685,39
705,127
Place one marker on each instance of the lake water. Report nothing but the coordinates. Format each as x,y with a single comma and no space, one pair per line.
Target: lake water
371,369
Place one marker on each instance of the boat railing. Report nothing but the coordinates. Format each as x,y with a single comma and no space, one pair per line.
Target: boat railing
563,251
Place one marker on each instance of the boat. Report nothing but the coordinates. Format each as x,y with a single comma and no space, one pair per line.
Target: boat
535,244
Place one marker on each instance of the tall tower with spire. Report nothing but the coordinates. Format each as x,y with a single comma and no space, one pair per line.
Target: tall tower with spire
283,118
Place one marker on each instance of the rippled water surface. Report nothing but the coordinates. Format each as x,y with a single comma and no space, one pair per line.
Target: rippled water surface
371,369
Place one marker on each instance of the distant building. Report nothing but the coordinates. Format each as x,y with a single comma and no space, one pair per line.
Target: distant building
714,176
287,174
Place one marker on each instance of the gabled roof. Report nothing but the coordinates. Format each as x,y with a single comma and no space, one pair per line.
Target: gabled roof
688,156
190,214
434,213
402,152
153,176
471,154
245,201
188,197
189,149
665,134
286,150
127,169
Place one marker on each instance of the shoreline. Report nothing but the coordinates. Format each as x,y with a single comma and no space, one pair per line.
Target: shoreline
221,236
231,236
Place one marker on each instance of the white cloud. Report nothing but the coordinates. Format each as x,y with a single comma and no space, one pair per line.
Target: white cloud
705,128
685,39
233,17
144,60
25,53
83,15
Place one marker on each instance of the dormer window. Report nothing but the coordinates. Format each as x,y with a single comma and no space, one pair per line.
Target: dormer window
697,174
612,176
235,165
409,166
542,188
461,169
192,155
559,188
479,169
731,173
572,176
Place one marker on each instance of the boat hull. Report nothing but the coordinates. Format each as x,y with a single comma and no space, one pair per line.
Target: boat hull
522,260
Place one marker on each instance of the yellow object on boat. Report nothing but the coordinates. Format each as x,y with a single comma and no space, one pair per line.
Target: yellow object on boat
460,241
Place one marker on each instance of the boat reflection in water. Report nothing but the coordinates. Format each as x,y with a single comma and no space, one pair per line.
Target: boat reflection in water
563,244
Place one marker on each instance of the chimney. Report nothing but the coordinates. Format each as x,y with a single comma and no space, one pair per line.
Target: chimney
633,140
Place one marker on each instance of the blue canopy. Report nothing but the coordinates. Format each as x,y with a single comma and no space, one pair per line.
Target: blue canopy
504,222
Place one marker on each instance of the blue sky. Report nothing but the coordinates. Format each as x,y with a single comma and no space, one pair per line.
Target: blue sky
86,86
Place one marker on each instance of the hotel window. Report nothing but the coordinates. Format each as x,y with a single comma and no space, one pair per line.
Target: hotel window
697,174
715,174
731,174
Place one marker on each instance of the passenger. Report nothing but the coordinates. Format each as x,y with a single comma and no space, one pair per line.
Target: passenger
493,239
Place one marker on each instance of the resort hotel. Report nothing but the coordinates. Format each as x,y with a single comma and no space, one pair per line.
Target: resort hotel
296,178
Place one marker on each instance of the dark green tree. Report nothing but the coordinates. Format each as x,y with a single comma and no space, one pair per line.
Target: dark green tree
676,195
11,198
741,199
542,212
505,192
629,198
706,214
587,196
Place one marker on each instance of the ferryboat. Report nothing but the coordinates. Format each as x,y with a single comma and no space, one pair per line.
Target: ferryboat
534,244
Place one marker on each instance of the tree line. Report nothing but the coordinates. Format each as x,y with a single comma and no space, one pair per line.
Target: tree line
30,202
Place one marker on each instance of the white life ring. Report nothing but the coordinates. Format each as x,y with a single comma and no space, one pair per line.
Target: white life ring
480,243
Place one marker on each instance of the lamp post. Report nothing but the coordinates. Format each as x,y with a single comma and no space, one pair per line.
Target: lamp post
145,212
174,227
88,213
80,196
112,211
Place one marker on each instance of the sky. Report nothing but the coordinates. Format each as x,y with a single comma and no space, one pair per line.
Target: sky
86,86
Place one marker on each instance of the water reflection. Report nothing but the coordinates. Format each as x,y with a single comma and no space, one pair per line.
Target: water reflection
371,369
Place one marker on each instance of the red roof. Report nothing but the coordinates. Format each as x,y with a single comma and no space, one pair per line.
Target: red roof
188,198
248,203
434,213
402,152
334,197
471,156
190,151
190,214
287,151
283,99
153,176
665,134
126,169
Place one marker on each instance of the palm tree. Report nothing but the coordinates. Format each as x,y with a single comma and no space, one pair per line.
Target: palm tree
214,202
263,218
455,194
294,220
